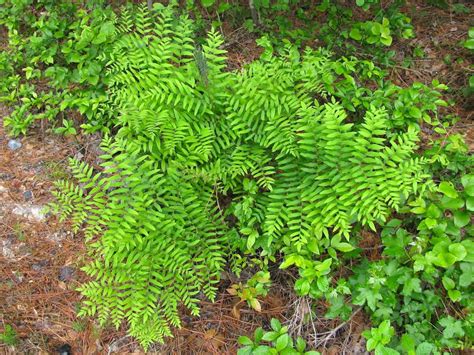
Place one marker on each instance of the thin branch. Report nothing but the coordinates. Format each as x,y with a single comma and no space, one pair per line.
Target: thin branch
333,332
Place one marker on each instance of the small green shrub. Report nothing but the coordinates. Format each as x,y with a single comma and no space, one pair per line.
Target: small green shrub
53,62
423,283
257,286
378,337
372,32
278,340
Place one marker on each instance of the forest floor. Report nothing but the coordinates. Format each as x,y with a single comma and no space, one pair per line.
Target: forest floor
40,258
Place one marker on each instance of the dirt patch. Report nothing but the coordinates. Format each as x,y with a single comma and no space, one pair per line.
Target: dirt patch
34,247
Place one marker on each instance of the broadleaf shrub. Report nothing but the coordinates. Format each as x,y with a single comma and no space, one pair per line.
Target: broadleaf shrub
53,64
425,275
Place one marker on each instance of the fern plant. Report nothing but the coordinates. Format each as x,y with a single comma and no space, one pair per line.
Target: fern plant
298,171
162,241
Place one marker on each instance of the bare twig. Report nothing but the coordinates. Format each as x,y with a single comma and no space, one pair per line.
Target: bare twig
334,331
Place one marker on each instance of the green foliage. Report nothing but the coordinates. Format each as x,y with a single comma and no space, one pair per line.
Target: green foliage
79,326
257,286
278,340
291,156
8,336
365,4
301,175
378,337
162,237
53,62
161,242
372,32
469,44
449,157
425,276
334,23
461,9
67,129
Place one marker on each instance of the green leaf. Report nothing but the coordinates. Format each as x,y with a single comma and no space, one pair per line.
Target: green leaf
408,344
470,203
452,203
323,283
394,223
418,210
425,348
452,327
344,247
448,189
263,350
383,350
258,334
282,342
468,182
448,283
469,44
207,3
433,211
270,336
275,323
369,296
384,327
412,285
99,38
445,259
251,239
289,260
300,344
430,223
458,251
255,304
461,218
467,276
414,112
454,295
302,286
243,340
355,34
106,30
371,344
223,7
386,41
245,351
468,244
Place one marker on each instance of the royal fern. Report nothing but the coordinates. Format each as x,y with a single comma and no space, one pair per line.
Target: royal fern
300,171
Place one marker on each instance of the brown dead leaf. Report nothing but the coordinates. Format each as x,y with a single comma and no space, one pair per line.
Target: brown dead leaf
72,335
236,311
209,334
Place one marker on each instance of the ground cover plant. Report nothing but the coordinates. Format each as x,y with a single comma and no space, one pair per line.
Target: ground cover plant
287,163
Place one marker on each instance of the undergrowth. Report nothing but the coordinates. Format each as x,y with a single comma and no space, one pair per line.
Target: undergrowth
291,160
